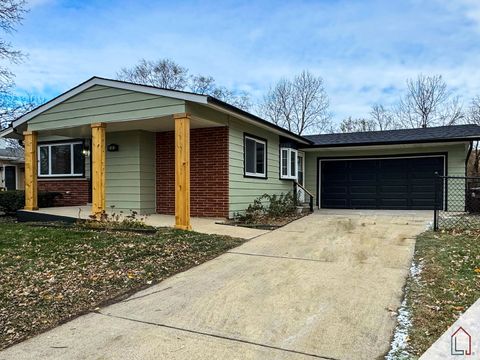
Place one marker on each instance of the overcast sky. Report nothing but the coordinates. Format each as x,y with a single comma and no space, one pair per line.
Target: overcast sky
364,49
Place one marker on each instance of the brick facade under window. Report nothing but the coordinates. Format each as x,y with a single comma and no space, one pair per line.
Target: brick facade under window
75,192
208,172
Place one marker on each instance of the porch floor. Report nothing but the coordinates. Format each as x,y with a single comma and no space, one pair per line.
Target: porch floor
202,225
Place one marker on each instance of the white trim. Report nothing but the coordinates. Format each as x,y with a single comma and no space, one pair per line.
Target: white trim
289,175
72,160
301,154
6,132
256,174
445,166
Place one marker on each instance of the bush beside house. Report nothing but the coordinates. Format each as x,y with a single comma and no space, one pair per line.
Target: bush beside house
11,201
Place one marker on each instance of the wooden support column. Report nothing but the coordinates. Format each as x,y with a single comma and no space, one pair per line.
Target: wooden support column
182,171
31,170
98,168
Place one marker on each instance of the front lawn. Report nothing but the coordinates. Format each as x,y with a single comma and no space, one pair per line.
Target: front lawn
448,283
50,275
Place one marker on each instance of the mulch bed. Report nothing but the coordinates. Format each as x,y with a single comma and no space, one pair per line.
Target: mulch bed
265,222
50,275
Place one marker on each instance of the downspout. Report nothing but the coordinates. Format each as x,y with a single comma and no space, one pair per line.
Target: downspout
468,157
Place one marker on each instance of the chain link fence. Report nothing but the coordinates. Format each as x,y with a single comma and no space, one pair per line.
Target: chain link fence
457,202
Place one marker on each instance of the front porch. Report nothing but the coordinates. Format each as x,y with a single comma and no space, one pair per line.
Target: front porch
198,224
109,143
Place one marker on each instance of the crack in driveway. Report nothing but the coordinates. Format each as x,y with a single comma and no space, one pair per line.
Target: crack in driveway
277,256
217,336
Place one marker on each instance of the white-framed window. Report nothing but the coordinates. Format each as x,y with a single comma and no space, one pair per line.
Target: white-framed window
255,151
61,159
288,163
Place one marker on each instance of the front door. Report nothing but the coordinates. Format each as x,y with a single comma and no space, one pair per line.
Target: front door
10,177
301,175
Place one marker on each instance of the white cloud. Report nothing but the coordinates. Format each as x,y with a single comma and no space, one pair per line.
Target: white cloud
362,49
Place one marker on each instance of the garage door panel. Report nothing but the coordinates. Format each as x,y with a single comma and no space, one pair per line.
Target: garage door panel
393,203
393,176
388,183
336,204
362,176
364,203
365,165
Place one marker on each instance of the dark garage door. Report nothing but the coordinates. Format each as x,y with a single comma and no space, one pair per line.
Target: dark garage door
393,183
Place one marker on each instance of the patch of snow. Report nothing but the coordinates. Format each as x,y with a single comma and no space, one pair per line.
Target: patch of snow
415,270
429,225
398,347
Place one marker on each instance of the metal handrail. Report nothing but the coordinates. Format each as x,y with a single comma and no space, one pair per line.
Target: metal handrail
303,188
295,185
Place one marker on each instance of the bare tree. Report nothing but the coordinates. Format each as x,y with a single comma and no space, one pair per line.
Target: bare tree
381,117
473,117
163,73
201,84
11,108
167,74
11,15
350,124
299,105
428,102
206,85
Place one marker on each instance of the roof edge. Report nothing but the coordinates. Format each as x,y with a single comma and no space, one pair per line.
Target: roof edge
375,143
186,96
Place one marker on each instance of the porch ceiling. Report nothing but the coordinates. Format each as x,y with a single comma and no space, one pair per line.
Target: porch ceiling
160,124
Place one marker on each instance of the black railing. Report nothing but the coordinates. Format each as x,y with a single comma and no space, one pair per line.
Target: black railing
297,186
457,202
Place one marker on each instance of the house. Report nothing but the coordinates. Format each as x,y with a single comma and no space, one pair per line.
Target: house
12,167
153,150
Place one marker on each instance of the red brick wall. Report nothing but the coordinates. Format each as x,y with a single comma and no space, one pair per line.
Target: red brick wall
208,172
74,192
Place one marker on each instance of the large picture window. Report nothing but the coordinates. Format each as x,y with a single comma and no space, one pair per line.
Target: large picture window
288,161
255,157
63,159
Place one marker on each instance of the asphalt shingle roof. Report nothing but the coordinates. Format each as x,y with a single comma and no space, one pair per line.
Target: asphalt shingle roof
403,136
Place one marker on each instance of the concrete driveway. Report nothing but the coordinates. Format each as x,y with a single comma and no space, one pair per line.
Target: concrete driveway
321,287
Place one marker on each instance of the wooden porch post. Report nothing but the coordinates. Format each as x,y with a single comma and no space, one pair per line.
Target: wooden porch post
31,166
98,168
182,171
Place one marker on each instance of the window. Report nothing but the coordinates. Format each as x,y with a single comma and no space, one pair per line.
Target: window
288,161
255,157
64,159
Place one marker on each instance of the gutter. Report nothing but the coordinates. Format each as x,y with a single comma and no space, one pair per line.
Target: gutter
470,147
427,141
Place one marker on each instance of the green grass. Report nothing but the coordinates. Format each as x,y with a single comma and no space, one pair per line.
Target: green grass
447,285
50,275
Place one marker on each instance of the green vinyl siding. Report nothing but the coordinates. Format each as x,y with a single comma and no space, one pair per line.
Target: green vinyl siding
104,104
130,172
456,154
243,190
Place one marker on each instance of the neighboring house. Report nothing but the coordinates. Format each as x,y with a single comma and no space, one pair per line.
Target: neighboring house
12,167
153,150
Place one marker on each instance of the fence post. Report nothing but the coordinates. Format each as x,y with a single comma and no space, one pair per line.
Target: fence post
435,202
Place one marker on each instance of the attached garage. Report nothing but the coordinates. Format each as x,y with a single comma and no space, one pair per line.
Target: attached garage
405,183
